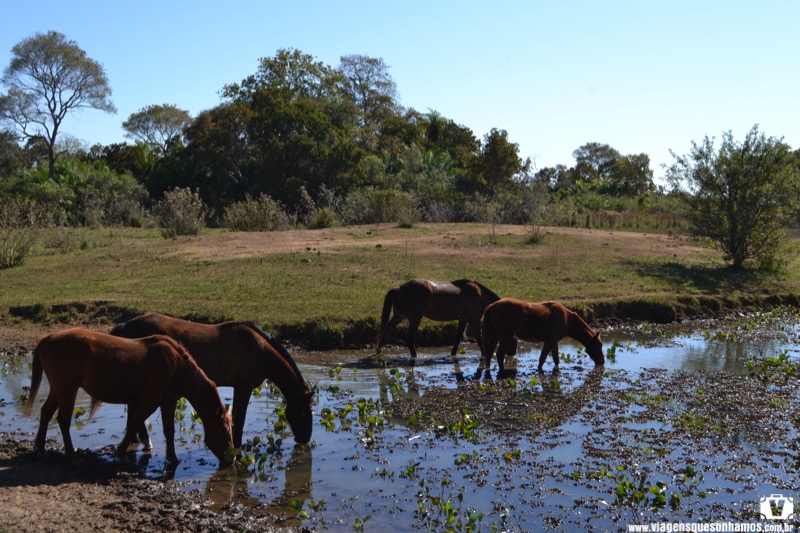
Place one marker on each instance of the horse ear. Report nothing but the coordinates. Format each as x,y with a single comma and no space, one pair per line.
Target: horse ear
226,409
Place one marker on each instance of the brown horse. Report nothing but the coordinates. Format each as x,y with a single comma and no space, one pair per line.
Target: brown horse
144,373
463,300
547,322
238,355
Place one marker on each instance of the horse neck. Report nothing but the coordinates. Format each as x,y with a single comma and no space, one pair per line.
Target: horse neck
283,372
199,390
578,329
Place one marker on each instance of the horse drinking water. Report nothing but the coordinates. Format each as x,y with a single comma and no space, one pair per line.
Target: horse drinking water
463,300
239,355
547,322
145,374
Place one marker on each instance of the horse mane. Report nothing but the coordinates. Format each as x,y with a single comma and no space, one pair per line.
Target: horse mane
461,283
277,346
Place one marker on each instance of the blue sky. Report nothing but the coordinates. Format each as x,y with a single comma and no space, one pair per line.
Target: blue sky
641,76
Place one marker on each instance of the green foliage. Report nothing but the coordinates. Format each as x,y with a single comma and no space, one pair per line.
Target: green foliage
741,195
21,221
263,214
180,212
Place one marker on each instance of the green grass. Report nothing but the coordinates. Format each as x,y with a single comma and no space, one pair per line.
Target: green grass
138,270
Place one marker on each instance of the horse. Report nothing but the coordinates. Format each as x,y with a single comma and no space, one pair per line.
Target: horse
547,322
463,300
144,373
239,355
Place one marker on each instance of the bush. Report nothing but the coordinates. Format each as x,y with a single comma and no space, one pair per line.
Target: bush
180,212
370,206
324,217
264,214
21,221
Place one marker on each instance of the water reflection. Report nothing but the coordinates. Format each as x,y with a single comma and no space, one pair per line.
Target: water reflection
232,486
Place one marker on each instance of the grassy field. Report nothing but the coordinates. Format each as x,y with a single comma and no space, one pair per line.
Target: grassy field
331,283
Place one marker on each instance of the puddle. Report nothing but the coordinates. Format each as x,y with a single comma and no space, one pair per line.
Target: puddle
439,444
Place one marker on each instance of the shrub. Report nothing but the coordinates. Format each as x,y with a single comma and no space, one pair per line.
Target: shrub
264,214
21,220
180,212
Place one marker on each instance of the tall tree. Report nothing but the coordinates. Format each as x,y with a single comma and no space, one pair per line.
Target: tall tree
499,159
599,157
157,125
368,83
302,127
740,195
49,77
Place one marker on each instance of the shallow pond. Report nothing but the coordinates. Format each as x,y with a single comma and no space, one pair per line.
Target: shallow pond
677,427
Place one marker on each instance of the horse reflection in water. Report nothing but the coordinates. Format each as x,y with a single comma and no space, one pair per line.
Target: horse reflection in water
239,355
463,300
232,486
509,319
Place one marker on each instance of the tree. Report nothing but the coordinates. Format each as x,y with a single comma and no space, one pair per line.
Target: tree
368,83
49,77
302,126
499,159
741,195
599,157
12,158
157,125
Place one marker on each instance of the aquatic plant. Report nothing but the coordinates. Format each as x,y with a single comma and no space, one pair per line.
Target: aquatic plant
445,512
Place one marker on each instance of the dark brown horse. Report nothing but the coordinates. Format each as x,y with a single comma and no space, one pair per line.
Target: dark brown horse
547,322
238,355
463,300
145,373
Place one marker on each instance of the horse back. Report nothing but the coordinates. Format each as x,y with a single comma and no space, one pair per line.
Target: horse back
110,369
528,321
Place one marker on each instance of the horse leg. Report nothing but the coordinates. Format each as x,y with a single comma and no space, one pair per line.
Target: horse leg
137,415
48,410
142,435
501,358
462,325
554,350
64,417
546,349
507,347
168,423
413,326
241,399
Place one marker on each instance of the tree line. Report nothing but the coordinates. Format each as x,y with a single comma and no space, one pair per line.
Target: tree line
300,142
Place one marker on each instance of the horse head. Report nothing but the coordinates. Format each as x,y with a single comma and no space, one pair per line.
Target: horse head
298,414
219,436
595,350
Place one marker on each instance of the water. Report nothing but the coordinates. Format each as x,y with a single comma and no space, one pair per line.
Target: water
392,473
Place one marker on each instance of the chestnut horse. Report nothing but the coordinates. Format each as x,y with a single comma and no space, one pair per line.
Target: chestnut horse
463,300
239,355
144,373
547,322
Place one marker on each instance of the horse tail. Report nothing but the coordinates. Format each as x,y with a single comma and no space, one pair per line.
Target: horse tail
36,377
487,334
94,406
388,303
